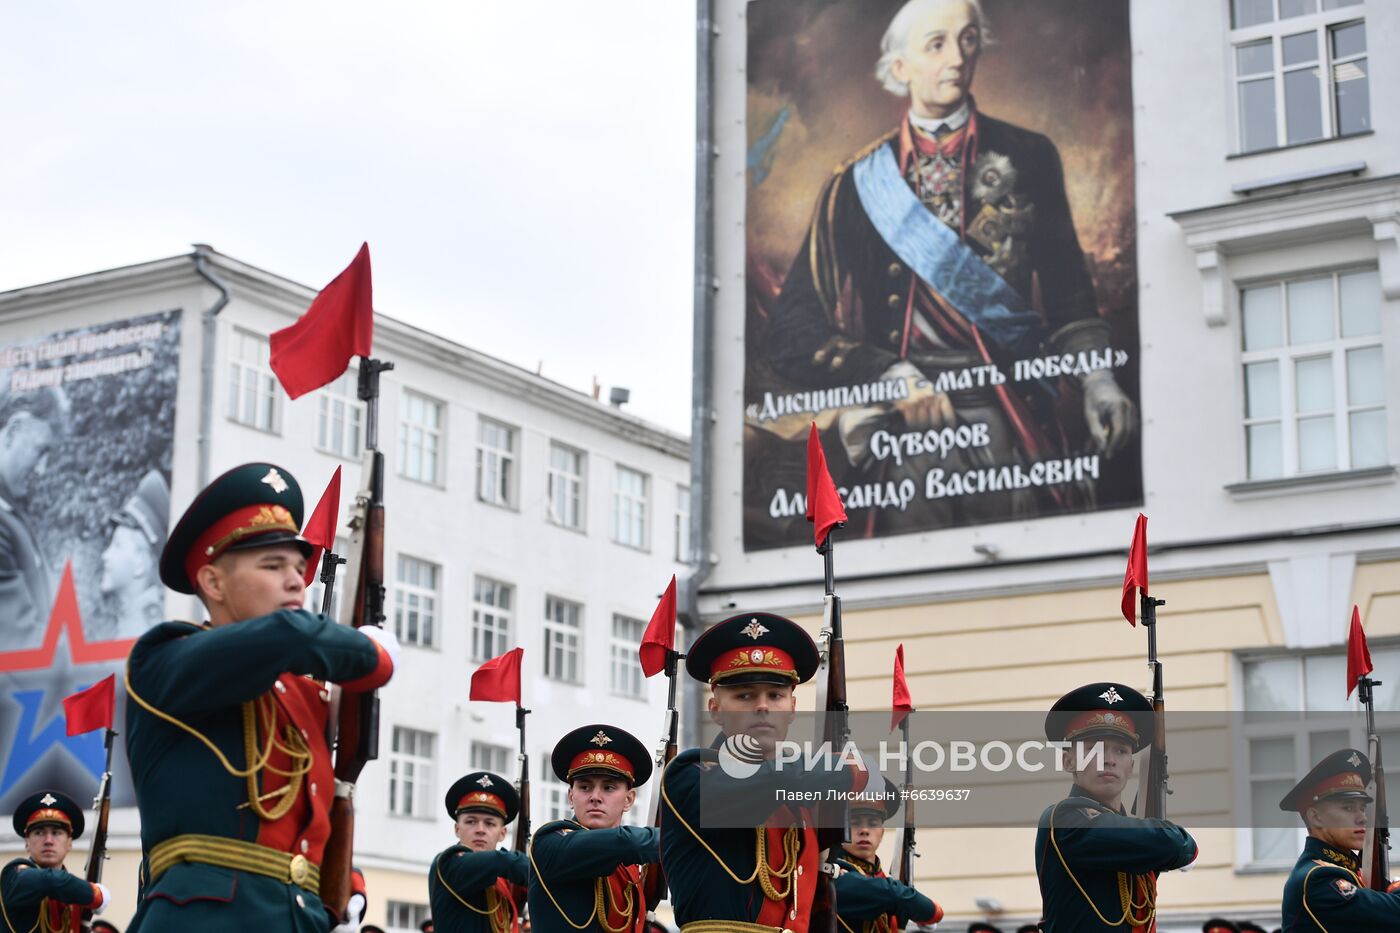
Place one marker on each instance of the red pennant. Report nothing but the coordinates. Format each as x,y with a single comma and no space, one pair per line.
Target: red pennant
1136,575
1358,654
824,509
498,680
320,527
660,636
92,708
903,703
338,325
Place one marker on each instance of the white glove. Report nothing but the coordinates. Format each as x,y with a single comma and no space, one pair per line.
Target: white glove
106,897
385,639
1112,416
354,914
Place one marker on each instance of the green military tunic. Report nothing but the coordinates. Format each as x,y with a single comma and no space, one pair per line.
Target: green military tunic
470,892
588,879
1113,857
216,681
868,901
43,899
1324,894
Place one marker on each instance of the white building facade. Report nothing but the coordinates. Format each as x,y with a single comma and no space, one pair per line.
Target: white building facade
519,512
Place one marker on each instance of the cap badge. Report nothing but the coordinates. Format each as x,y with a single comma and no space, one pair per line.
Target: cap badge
275,480
756,655
1354,760
1109,718
1111,696
754,629
48,800
484,780
601,739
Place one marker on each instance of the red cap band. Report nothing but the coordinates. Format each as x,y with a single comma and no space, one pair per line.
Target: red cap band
242,523
600,761
1102,721
753,660
1346,782
48,815
479,798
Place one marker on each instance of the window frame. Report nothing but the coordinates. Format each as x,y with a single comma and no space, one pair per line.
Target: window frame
622,658
1321,23
1287,356
420,786
553,629
339,400
437,434
575,484
476,652
266,388
432,597
641,504
504,462
479,750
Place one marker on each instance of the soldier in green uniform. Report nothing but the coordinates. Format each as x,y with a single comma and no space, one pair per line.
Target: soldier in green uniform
226,721
36,892
868,900
1090,879
584,872
469,884
1325,891
731,871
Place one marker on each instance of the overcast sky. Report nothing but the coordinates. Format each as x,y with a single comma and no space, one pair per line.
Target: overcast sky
522,170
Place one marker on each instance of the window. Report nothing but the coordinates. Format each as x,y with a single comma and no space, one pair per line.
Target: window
403,917
1314,379
561,639
415,601
420,438
315,593
556,796
493,758
626,668
683,524
411,773
630,508
495,463
1300,71
566,486
1296,715
253,393
340,418
491,602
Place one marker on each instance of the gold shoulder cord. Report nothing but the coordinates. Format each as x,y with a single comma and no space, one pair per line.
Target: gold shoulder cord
1125,897
295,748
500,921
601,900
567,919
1305,899
6,914
42,924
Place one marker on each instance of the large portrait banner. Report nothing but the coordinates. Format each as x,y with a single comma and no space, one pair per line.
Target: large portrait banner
87,430
941,262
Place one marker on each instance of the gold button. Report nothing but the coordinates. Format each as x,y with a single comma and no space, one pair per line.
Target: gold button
894,301
894,336
299,870
313,788
301,903
894,270
305,846
281,687
799,869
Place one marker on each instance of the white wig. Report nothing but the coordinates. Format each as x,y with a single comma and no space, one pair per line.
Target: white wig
896,40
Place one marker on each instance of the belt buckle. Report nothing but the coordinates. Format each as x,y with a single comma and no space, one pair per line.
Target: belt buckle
299,870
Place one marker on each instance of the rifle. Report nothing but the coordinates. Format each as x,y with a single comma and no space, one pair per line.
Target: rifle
522,821
355,724
1154,782
904,844
833,828
1375,852
653,879
329,562
102,805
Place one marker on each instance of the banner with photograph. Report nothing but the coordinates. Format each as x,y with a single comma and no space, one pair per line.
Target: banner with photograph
87,430
941,262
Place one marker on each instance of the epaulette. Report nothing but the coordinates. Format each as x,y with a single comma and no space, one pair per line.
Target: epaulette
862,153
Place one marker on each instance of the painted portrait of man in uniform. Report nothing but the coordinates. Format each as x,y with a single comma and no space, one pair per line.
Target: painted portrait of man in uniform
945,289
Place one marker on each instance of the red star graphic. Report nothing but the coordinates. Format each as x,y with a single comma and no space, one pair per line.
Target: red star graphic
65,616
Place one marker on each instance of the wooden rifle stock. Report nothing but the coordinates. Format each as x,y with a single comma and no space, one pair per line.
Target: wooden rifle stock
357,716
521,844
1375,854
102,803
907,852
653,878
1154,782
833,825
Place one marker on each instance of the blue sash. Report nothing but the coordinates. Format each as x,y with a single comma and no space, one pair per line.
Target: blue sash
938,256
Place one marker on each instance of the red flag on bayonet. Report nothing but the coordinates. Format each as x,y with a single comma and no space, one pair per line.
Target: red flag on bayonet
824,508
338,325
660,636
320,527
1136,575
1358,654
903,703
498,680
92,708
